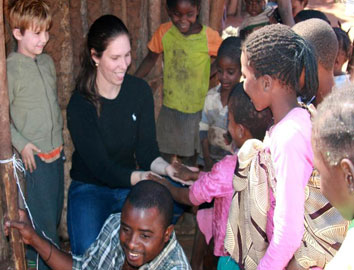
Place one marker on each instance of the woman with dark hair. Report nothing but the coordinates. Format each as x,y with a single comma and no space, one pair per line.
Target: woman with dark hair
111,122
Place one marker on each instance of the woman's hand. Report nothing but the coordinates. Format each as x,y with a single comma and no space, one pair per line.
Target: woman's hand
138,176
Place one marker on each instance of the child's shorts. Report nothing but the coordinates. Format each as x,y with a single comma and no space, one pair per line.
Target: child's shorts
178,132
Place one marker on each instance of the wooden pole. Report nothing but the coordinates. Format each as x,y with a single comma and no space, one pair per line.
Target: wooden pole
216,14
154,16
124,12
204,12
6,170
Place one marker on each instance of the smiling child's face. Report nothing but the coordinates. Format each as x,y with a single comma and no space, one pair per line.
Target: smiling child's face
228,72
184,16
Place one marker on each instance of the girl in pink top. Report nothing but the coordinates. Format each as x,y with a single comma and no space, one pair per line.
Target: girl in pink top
244,123
278,65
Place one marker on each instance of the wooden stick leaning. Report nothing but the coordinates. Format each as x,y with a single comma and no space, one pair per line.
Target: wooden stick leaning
7,170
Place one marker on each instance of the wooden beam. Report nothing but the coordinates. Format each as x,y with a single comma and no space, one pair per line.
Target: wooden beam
204,12
6,170
216,14
154,16
124,12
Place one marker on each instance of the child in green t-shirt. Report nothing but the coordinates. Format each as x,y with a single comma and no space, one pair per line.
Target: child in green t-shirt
187,48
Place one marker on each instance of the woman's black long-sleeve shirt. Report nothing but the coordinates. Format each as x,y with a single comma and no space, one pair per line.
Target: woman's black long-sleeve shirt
108,148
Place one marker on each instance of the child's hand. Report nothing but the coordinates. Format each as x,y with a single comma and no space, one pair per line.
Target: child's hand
23,225
184,172
159,179
28,157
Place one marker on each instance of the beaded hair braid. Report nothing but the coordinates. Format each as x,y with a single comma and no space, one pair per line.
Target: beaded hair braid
277,51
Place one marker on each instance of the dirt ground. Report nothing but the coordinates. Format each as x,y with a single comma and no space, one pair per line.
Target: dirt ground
335,11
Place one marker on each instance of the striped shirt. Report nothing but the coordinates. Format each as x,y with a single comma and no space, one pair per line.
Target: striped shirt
106,252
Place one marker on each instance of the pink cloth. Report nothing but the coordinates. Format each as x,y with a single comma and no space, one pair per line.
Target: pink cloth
216,184
205,222
289,142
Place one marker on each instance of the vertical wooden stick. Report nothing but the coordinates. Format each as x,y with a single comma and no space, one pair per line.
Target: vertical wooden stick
154,16
6,170
124,12
216,14
204,12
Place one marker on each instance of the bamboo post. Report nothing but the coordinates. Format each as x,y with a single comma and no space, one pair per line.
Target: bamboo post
6,170
216,14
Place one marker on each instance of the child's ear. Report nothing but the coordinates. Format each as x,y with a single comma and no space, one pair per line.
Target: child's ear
267,82
348,170
241,131
168,233
17,33
336,62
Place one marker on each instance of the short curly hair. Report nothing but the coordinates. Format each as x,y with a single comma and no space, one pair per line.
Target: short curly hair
244,113
231,48
322,37
149,194
277,51
344,42
27,14
333,126
307,14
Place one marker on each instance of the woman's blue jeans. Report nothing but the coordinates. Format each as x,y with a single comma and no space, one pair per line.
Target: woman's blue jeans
88,208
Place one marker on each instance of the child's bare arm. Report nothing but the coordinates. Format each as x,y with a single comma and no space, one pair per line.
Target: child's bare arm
147,64
206,155
285,12
213,67
179,194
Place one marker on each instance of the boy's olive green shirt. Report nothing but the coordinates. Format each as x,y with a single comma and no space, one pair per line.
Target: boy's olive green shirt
35,113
